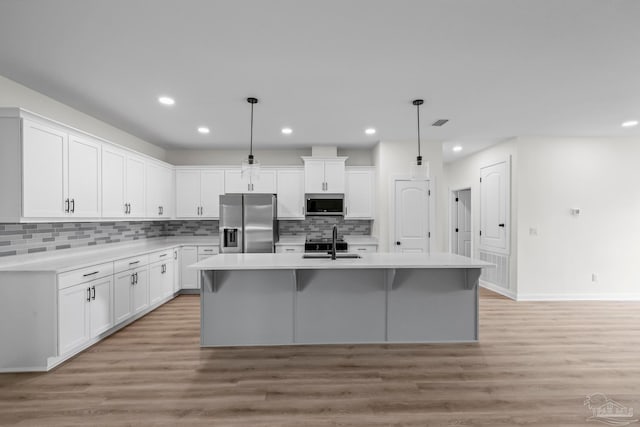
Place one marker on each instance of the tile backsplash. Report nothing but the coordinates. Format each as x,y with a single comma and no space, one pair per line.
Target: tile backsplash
321,227
19,239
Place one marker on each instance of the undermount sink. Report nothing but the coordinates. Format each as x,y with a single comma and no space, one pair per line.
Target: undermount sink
328,256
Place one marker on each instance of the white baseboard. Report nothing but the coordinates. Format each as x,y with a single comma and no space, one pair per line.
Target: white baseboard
499,290
618,296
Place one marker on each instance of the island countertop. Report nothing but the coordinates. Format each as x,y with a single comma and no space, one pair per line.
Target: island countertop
295,261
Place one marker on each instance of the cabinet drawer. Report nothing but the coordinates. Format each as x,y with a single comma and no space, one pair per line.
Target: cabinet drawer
161,256
363,248
207,250
131,263
285,249
82,275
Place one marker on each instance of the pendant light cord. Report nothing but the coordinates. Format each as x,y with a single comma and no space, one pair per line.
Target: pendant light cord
251,139
418,110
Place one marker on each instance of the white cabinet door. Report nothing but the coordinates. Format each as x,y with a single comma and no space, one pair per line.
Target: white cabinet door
359,194
314,176
85,163
44,160
265,182
122,293
189,276
187,193
212,184
140,294
73,317
494,205
167,279
167,190
114,163
291,194
100,306
135,184
159,180
234,183
177,256
334,176
156,282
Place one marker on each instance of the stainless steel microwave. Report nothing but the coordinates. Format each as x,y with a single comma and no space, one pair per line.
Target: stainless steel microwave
324,205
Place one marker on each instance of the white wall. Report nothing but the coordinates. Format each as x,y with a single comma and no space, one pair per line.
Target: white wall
392,157
13,94
465,173
599,176
274,157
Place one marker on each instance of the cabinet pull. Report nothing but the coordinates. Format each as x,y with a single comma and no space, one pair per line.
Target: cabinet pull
163,255
175,254
73,205
90,274
66,205
133,279
159,210
134,262
93,292
136,278
88,294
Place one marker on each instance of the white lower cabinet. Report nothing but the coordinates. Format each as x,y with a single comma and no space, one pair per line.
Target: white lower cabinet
188,276
177,285
160,281
85,311
131,293
283,249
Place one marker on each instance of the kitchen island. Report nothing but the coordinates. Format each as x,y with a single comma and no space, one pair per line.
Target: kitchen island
283,299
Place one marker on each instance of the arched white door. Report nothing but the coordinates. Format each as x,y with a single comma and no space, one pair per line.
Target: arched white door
411,216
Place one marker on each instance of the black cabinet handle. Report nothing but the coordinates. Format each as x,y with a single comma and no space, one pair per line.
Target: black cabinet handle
133,279
501,225
73,205
136,278
134,262
89,274
163,255
88,294
93,290
66,205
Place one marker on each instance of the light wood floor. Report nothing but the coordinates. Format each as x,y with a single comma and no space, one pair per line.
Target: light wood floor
534,366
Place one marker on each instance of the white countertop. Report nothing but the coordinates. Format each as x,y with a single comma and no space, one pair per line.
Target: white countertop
72,259
368,261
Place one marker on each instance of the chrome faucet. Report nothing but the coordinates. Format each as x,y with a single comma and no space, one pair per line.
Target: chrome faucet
333,242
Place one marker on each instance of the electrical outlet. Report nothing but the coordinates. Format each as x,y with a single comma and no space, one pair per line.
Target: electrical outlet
594,277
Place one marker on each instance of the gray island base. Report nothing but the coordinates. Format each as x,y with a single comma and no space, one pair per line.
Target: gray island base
283,299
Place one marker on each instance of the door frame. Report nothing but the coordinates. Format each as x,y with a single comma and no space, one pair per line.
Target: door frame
431,186
452,209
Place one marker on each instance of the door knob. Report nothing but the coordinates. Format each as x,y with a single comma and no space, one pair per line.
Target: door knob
501,225
398,243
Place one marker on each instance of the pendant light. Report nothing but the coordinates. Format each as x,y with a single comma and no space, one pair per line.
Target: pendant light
251,167
419,169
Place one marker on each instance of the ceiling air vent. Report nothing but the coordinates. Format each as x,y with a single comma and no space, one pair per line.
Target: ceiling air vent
439,122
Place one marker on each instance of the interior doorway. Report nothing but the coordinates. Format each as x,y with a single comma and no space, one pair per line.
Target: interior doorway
461,235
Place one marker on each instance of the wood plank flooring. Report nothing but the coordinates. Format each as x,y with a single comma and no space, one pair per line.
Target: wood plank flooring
534,366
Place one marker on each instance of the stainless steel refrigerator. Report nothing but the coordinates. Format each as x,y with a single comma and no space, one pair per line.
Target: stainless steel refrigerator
248,223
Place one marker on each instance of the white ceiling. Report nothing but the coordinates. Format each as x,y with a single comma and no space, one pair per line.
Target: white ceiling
331,68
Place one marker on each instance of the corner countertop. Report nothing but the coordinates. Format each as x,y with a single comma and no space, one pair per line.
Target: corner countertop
382,260
86,256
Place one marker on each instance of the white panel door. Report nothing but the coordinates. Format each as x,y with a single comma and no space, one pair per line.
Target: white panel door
122,292
494,193
73,317
212,183
114,163
314,176
141,290
290,194
100,306
411,216
156,282
462,226
187,193
334,176
234,183
44,152
359,194
136,186
189,276
85,163
265,183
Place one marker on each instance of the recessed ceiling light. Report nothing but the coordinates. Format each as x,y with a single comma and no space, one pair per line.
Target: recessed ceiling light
165,100
370,131
287,131
457,148
630,123
203,129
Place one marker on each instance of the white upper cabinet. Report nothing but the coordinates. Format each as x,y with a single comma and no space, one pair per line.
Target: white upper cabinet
494,207
236,183
359,193
324,175
159,192
198,193
61,173
123,183
290,193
